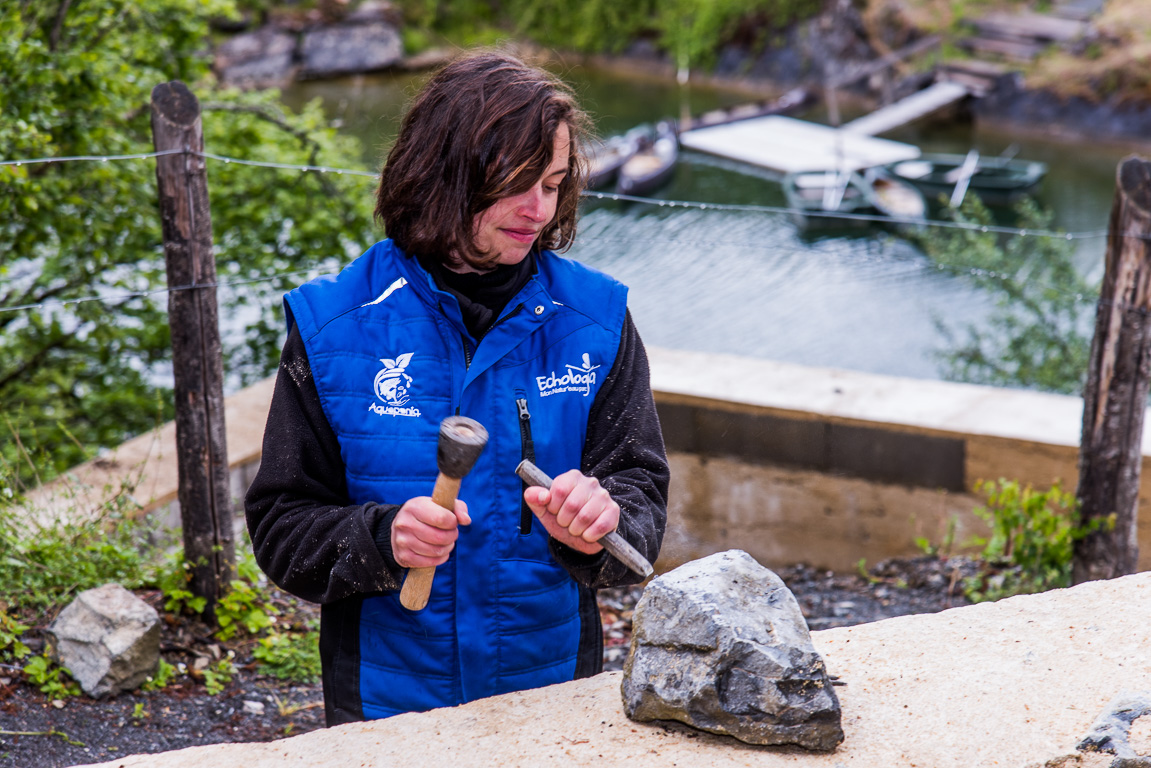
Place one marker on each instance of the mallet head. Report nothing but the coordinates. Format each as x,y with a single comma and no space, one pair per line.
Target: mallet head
461,441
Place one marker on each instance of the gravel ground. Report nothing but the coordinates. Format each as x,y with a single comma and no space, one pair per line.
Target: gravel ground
38,733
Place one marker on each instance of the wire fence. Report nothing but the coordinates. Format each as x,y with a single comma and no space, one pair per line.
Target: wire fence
970,270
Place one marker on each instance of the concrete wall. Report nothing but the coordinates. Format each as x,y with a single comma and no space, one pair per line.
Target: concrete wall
793,463
790,463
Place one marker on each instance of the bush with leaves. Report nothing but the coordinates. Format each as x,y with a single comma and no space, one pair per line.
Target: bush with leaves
1033,534
12,648
53,680
1037,336
291,656
75,80
44,564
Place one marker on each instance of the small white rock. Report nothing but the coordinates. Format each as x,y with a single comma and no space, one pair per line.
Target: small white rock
253,708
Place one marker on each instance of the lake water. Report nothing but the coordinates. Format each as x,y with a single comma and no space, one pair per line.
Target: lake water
749,282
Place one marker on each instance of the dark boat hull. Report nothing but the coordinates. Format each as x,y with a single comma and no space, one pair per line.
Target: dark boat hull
651,167
995,180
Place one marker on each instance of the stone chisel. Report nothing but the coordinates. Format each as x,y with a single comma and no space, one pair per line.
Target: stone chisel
615,544
461,441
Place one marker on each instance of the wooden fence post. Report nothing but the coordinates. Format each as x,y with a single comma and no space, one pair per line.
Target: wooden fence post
1115,397
206,510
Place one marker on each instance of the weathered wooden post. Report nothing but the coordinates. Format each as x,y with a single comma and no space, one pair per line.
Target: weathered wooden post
1115,397
205,500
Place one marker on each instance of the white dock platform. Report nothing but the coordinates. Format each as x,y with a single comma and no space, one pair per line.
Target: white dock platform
785,144
917,105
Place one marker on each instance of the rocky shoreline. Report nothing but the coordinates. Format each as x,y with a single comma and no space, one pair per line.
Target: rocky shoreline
368,39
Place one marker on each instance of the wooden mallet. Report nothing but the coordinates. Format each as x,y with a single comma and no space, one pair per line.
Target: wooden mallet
461,442
615,544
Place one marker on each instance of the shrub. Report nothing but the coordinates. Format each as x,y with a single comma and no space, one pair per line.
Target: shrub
1033,534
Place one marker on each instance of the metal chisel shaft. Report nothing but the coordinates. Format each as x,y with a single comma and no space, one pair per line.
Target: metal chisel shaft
612,542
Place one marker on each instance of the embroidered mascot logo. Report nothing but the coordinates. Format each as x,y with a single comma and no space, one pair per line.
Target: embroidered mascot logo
391,386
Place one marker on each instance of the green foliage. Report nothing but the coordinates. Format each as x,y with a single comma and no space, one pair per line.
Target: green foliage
1036,337
217,676
46,675
245,607
43,564
942,549
1033,534
11,630
691,31
75,79
293,656
173,581
164,675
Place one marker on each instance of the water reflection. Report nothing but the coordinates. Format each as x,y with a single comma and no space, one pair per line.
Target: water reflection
746,283
751,283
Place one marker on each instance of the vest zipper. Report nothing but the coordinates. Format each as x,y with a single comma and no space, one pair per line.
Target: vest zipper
467,350
527,452
464,336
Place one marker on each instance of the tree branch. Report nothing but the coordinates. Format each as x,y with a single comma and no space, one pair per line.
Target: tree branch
95,41
33,363
304,137
58,27
29,297
263,114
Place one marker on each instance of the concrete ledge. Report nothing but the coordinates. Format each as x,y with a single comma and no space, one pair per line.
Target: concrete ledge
1014,683
793,463
148,463
788,462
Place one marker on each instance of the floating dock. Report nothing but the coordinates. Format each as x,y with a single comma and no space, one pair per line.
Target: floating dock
907,110
786,144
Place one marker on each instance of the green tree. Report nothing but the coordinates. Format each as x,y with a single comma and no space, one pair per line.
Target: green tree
690,31
75,79
1037,336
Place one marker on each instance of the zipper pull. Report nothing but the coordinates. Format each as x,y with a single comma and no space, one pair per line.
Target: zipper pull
528,451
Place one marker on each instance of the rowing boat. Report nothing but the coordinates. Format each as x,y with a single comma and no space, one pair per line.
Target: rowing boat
652,165
995,180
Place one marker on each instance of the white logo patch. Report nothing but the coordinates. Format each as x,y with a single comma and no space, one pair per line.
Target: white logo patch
578,378
391,387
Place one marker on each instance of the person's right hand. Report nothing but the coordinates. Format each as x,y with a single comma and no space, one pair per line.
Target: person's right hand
424,533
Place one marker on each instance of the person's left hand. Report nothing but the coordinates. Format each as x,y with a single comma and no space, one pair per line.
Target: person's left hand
576,511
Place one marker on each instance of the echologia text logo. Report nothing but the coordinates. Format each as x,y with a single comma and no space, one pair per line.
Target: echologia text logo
577,378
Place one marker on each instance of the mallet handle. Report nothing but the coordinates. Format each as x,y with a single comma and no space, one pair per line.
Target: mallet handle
615,544
418,584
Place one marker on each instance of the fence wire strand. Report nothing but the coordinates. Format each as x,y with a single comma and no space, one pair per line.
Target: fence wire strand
703,206
593,195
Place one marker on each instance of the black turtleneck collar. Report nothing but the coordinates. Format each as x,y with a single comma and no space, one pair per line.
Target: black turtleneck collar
482,295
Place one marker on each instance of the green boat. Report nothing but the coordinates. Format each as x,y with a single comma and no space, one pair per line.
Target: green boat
996,180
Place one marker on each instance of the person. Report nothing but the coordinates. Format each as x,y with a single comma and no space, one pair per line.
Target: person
464,310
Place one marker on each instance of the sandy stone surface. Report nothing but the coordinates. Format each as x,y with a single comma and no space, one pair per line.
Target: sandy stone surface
1014,683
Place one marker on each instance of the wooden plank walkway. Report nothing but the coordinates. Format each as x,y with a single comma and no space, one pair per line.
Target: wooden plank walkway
785,144
917,105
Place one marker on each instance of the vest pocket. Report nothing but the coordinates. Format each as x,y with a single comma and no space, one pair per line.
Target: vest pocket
527,453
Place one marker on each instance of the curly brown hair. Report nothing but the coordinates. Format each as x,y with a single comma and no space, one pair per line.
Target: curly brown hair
482,129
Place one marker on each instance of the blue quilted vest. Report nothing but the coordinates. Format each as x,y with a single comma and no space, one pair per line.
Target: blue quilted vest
391,358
